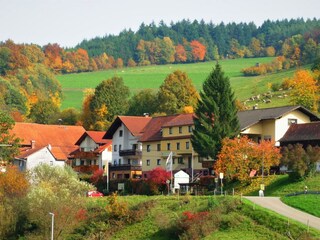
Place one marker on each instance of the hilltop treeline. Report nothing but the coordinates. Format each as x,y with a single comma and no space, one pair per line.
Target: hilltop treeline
182,41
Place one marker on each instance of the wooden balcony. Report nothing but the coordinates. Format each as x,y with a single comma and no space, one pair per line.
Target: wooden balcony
85,155
130,152
125,167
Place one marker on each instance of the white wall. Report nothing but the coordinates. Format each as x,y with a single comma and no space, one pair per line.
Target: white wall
88,144
43,156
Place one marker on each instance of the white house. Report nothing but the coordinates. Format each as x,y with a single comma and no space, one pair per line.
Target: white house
125,132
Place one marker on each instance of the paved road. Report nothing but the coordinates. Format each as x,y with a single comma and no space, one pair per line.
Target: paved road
274,204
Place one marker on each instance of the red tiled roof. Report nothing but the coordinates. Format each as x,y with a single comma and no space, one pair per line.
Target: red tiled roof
134,124
96,136
180,120
302,132
58,136
152,132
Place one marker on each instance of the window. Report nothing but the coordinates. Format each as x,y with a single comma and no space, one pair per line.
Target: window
187,145
148,148
115,148
120,161
267,138
292,121
129,161
81,162
190,129
120,147
114,162
173,161
158,162
148,162
158,147
120,133
178,146
180,160
51,163
168,146
170,130
180,129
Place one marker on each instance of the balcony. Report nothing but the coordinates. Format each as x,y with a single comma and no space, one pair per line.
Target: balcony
130,152
86,169
85,155
126,167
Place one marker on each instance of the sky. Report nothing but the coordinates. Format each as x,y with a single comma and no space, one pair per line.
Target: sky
68,22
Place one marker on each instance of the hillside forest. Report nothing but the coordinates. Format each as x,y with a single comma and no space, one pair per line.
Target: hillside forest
31,92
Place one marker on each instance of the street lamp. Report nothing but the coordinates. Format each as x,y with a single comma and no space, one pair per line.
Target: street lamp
52,224
221,177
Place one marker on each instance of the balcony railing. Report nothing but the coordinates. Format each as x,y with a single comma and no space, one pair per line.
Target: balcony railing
85,155
130,152
126,167
86,169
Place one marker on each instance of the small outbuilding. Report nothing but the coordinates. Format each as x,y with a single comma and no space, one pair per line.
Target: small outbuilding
181,177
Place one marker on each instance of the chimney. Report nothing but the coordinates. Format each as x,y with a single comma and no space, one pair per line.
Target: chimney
33,144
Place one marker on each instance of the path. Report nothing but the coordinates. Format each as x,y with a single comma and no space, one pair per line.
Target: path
274,204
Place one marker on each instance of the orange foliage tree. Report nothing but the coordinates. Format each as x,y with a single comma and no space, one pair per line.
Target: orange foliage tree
198,50
239,156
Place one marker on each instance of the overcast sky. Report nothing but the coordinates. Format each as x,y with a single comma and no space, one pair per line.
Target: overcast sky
68,22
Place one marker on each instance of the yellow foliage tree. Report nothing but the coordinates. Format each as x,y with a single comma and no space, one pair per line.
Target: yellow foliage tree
304,90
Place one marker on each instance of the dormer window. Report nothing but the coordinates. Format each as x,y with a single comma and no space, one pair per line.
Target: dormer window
292,121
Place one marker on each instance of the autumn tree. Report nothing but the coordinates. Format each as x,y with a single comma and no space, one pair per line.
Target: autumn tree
51,191
198,50
299,160
304,90
176,92
144,101
159,176
43,112
180,54
241,156
53,54
109,100
9,144
14,186
216,115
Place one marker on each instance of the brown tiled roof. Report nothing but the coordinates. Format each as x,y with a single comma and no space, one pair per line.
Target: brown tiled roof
96,136
302,132
134,124
58,136
251,117
180,120
152,132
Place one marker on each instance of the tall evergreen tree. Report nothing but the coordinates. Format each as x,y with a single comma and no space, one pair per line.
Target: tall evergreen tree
216,115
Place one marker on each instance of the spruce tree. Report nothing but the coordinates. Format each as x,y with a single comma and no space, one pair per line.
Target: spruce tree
215,115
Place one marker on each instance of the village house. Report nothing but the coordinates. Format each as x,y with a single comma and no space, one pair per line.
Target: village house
125,132
51,144
305,134
272,123
170,134
93,153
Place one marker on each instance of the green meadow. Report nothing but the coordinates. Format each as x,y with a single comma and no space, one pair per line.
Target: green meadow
152,77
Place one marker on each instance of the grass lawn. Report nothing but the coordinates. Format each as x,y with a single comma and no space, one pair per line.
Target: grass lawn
153,76
307,202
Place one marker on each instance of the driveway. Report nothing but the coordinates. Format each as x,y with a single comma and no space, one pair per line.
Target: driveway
274,204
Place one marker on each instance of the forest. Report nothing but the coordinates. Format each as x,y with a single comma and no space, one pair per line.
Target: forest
28,72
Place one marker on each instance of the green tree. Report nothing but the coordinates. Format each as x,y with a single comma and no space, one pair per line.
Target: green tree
144,101
51,191
43,112
9,144
69,116
110,99
177,92
216,115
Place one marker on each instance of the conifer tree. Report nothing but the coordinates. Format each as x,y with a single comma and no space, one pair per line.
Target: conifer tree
216,115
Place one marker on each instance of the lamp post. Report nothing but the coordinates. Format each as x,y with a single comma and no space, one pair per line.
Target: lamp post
52,224
221,177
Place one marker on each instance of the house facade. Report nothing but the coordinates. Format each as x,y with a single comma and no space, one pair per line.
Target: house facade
272,123
94,152
166,134
305,134
125,132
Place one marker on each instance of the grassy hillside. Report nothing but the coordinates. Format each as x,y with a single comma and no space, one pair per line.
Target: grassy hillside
186,217
153,76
